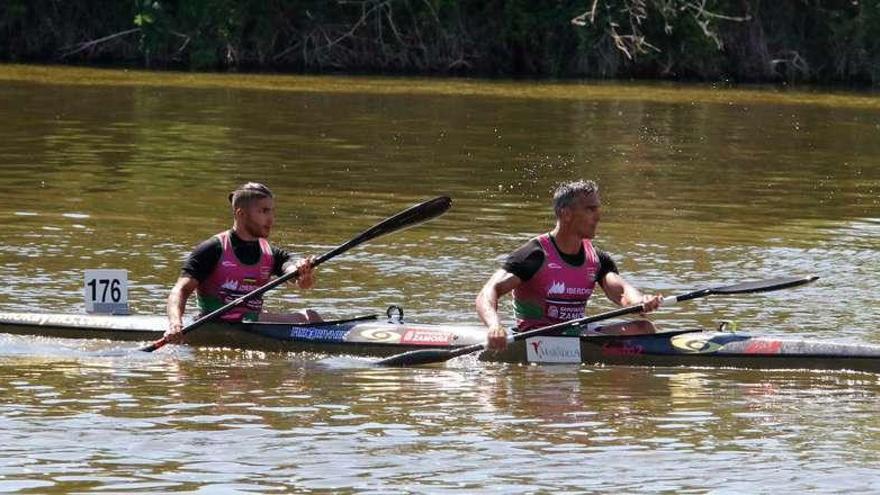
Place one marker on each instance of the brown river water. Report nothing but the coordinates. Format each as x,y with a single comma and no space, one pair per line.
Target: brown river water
702,186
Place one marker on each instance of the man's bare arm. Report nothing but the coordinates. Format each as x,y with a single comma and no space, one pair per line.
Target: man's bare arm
500,283
176,306
622,293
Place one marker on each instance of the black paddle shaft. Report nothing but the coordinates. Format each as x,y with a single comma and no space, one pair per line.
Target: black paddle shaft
412,216
429,356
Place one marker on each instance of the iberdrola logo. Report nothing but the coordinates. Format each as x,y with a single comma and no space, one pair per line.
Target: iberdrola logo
556,288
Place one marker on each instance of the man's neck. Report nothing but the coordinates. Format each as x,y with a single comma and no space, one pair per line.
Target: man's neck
242,234
566,241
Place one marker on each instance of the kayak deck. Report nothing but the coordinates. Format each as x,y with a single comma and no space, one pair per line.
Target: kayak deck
371,336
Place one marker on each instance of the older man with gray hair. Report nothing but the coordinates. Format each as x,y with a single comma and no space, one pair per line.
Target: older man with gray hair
553,275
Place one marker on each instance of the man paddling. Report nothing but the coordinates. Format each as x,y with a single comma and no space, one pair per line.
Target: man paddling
552,276
235,262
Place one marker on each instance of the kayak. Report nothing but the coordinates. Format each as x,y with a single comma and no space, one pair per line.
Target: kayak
366,335
382,337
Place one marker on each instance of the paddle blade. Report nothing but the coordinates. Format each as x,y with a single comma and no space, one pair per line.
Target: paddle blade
410,217
155,345
419,213
416,358
765,285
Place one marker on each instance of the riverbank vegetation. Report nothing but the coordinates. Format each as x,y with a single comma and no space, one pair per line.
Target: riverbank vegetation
731,40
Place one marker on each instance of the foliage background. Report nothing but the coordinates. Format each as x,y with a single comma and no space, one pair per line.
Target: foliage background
735,40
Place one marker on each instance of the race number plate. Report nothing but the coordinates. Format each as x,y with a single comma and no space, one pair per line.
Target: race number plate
106,291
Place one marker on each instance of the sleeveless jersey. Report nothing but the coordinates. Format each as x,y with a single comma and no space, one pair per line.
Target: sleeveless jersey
232,279
558,291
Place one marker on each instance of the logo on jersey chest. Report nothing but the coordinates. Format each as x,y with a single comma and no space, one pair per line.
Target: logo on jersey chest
558,288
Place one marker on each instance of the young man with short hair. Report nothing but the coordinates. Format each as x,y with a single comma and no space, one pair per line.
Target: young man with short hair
236,262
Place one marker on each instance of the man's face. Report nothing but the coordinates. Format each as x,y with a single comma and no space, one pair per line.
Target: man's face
583,215
258,217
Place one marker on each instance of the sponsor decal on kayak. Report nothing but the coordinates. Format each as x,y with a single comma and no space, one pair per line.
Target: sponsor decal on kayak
381,334
695,344
424,336
622,349
318,334
112,322
553,350
764,347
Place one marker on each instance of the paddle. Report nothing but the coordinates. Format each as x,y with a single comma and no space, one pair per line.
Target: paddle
415,215
429,356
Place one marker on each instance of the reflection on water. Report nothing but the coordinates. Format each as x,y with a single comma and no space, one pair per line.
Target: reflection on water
220,421
701,188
